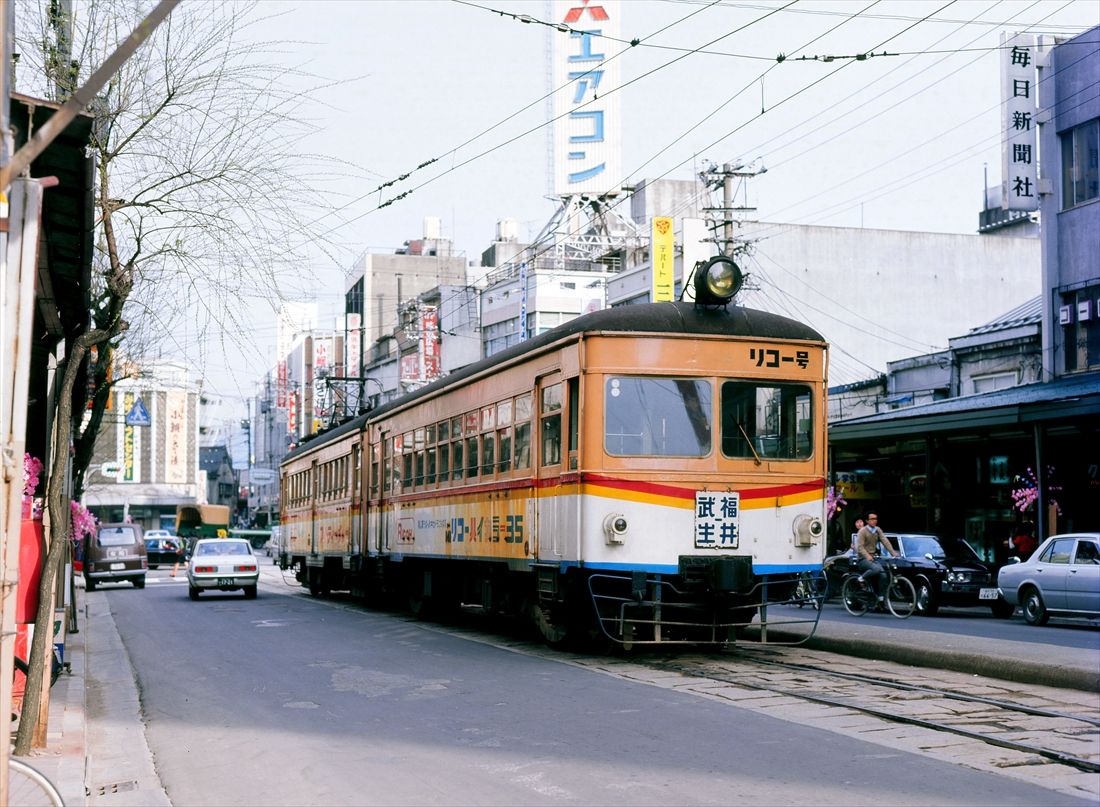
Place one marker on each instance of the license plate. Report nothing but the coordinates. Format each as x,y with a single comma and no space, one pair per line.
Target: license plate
117,567
989,594
226,581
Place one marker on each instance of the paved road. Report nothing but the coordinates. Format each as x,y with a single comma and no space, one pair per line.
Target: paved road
287,700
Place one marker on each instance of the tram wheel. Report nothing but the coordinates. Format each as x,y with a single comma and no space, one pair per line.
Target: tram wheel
552,627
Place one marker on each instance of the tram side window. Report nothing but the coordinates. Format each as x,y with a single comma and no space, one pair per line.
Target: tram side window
766,421
443,453
523,432
550,427
398,449
407,461
574,385
456,460
471,457
444,462
375,454
387,460
504,443
664,417
488,453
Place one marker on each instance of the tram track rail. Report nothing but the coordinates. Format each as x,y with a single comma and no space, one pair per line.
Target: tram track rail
1084,764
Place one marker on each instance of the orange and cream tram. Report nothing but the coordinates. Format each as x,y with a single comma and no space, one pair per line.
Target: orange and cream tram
656,471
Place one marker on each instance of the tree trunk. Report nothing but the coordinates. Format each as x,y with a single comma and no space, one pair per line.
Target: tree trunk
60,524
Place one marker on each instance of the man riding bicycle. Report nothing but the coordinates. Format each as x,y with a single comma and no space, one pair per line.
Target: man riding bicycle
867,542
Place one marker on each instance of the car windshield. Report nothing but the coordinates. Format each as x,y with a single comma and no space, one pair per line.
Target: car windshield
117,536
223,548
919,546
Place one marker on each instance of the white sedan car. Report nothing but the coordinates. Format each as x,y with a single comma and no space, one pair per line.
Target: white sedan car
1061,578
222,564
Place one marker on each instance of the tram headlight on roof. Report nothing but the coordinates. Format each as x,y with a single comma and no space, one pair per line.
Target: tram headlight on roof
717,281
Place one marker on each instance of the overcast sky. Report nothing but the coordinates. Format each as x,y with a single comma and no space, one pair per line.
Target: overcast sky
896,141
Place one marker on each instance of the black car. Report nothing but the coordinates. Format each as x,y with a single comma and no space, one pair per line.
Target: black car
944,572
163,551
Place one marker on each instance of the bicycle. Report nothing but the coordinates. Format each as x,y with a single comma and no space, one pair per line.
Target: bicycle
859,597
28,786
56,667
810,590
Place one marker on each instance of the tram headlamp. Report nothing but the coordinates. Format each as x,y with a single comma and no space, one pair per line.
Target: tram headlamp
614,527
717,281
807,530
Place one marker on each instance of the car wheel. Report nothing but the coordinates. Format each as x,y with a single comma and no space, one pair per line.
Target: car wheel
89,584
1002,609
139,582
926,599
192,592
250,592
1034,611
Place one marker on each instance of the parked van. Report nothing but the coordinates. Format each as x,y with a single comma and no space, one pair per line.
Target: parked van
115,554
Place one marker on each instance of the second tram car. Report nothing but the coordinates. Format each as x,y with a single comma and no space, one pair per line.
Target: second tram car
654,471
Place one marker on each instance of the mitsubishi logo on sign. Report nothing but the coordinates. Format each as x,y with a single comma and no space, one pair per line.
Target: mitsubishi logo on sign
597,12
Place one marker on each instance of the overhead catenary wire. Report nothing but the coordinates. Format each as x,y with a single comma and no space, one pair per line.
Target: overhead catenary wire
454,150
750,120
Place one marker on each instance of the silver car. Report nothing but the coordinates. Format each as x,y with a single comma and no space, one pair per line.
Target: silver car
222,564
1061,578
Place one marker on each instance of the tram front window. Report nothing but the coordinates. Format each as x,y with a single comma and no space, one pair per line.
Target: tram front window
766,421
667,417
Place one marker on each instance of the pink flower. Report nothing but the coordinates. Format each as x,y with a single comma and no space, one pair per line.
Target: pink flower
32,469
83,522
834,501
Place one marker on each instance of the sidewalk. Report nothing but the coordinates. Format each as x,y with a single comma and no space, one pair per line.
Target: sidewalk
97,753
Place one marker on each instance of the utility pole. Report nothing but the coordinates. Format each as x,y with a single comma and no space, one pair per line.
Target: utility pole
246,424
731,178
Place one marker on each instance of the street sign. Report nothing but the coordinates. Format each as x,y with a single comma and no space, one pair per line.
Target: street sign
261,476
138,414
111,468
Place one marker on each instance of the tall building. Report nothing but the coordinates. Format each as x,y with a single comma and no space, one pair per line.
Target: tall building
1002,431
378,283
1069,199
146,459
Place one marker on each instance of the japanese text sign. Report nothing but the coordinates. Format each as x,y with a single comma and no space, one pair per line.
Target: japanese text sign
1019,150
717,517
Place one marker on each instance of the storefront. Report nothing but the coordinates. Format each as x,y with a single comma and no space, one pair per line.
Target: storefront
979,466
